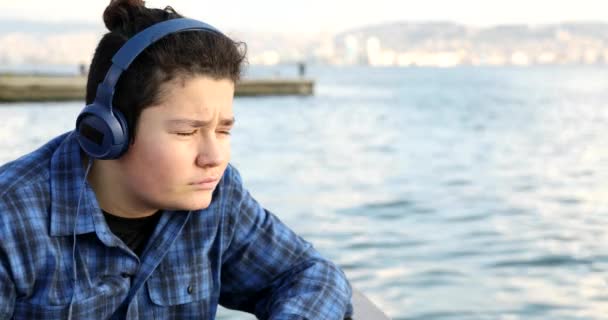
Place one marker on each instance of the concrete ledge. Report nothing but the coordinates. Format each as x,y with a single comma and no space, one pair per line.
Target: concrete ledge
261,87
17,88
365,309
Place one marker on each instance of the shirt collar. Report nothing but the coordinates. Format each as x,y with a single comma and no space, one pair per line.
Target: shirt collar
66,183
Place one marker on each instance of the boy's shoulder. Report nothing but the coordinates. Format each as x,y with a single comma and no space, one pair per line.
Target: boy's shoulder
28,170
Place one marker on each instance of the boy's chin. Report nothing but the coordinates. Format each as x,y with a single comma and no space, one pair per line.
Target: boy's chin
199,201
199,204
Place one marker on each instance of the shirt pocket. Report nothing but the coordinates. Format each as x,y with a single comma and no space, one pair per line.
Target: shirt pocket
180,285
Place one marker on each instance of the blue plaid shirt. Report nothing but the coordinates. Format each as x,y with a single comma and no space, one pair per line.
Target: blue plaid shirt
234,253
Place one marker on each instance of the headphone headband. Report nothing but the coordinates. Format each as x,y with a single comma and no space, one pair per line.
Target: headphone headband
138,43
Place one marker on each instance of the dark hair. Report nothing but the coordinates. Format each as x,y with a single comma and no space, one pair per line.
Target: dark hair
179,55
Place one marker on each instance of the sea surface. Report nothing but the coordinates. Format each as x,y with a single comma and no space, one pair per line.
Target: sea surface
462,193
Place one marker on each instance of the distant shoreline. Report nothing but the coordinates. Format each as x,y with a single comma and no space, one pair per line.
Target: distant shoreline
38,87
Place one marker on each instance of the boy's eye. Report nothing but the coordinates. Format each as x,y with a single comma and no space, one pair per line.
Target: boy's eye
186,133
225,132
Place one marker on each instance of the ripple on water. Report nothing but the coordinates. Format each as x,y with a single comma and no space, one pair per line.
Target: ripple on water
462,254
481,234
513,211
568,201
430,278
525,188
445,273
539,308
385,244
444,315
468,217
390,210
545,261
457,183
389,204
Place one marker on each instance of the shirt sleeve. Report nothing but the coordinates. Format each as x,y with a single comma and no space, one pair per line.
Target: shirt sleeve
271,272
7,287
7,294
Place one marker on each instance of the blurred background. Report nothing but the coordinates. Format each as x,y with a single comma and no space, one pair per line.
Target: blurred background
450,160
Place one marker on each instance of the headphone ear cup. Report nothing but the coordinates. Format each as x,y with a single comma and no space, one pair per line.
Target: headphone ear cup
125,141
100,133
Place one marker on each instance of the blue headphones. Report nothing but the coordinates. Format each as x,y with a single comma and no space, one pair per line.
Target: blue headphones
101,130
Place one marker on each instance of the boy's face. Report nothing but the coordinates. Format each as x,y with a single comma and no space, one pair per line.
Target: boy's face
181,146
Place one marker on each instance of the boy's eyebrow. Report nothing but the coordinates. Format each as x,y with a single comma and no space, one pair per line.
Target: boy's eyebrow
227,122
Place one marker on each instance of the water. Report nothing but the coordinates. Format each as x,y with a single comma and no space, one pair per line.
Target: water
466,193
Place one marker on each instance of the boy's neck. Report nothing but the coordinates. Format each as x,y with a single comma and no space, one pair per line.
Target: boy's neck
113,194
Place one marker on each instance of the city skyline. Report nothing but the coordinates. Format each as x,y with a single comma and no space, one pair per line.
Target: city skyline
392,44
326,16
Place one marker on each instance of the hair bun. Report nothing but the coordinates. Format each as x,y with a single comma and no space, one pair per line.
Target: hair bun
119,15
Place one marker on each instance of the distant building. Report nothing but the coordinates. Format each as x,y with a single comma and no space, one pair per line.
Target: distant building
373,50
352,50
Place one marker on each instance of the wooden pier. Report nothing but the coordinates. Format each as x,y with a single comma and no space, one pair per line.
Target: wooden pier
17,88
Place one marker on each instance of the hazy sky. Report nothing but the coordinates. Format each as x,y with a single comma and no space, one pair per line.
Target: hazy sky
313,16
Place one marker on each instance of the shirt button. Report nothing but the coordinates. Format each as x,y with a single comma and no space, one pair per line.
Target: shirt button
189,289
